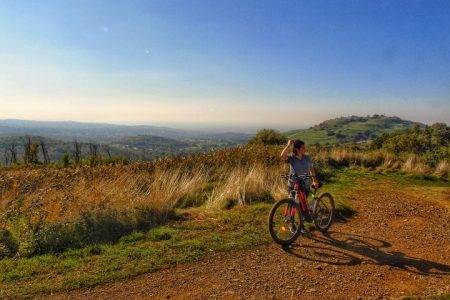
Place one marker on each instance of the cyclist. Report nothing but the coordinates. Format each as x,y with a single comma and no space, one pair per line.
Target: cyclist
299,162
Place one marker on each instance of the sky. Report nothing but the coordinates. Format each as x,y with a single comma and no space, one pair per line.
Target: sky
228,64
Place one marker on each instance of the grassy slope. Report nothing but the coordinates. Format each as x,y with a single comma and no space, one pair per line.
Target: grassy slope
349,129
196,234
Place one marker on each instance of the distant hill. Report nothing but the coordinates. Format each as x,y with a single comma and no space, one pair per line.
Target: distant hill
227,136
130,142
106,133
350,129
67,130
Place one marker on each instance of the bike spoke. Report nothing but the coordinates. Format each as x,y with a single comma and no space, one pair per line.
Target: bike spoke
324,204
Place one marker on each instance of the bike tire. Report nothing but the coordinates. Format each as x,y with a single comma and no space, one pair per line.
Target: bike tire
318,205
271,222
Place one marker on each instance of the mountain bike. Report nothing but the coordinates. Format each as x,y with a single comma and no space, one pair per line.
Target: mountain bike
287,216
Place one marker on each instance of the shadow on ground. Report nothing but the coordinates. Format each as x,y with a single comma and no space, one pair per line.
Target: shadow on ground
338,248
343,213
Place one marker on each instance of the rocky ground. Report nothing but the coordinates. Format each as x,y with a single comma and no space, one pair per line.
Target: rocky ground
397,245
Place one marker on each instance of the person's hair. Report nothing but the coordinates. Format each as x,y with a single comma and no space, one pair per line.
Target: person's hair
297,145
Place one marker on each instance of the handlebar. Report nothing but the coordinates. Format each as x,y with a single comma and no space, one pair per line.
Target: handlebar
301,177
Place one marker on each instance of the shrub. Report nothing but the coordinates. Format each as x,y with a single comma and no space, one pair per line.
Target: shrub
65,160
8,245
268,137
418,140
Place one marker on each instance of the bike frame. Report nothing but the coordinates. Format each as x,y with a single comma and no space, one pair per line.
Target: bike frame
299,197
308,211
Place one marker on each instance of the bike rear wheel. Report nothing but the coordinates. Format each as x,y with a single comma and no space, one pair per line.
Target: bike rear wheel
285,221
324,210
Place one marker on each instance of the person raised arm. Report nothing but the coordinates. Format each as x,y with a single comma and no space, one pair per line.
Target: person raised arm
286,150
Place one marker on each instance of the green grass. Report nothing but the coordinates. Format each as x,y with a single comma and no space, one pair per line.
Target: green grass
348,129
137,253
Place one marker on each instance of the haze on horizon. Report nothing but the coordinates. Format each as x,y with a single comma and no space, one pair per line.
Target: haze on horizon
224,63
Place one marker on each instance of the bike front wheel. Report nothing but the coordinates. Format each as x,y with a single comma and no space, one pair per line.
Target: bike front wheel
324,210
285,221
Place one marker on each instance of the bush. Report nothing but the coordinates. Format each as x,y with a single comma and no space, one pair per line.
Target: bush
417,140
107,226
8,246
65,160
268,137
435,156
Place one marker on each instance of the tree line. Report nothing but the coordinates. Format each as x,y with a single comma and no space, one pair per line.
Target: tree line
34,151
432,143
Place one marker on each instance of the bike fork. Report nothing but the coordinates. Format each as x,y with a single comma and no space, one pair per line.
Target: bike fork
289,210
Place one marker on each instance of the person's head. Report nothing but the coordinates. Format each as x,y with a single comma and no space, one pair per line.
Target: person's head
299,147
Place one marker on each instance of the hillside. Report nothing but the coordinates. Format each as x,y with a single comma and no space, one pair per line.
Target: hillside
88,232
350,129
389,250
105,133
77,227
129,142
67,130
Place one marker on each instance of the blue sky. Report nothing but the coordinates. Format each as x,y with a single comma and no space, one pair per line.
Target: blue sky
240,64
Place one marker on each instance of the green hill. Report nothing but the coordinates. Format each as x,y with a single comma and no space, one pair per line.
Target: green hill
350,129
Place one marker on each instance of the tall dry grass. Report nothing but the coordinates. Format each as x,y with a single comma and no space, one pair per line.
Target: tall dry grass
45,209
442,169
413,165
54,209
246,184
380,160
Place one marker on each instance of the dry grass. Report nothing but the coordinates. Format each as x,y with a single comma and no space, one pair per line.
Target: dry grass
413,165
247,184
381,160
51,209
442,169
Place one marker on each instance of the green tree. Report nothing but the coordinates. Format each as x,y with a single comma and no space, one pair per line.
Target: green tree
30,155
430,143
65,160
268,137
440,134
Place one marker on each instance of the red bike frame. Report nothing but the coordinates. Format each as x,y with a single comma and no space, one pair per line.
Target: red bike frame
303,202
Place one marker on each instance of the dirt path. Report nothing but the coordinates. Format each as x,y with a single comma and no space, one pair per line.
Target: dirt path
396,245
